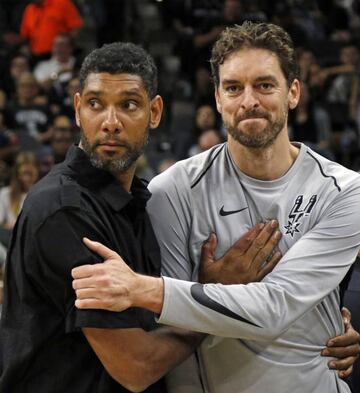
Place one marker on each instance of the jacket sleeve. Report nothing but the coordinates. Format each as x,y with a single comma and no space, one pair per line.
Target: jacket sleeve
309,271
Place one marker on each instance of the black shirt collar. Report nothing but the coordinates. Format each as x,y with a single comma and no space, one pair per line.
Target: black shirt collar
104,183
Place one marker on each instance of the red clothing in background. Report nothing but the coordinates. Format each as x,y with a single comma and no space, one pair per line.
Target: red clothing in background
41,24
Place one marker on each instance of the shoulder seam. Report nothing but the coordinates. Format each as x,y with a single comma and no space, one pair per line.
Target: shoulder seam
323,173
207,168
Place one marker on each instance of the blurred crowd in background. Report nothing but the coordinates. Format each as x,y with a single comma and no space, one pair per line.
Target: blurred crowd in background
42,44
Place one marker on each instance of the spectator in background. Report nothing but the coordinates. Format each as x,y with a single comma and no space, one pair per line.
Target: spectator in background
305,124
62,137
207,139
8,142
28,113
203,92
341,103
18,65
205,119
60,66
46,160
306,60
208,32
3,99
286,18
355,101
67,106
43,20
24,175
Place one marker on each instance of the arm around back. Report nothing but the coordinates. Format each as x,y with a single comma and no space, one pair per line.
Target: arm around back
136,358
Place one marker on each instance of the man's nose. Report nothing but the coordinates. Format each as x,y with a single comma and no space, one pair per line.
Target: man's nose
249,99
111,122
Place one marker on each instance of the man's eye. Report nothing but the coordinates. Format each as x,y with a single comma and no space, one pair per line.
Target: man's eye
232,89
94,104
130,105
266,86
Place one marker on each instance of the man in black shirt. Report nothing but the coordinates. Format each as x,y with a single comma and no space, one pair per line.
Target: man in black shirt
47,345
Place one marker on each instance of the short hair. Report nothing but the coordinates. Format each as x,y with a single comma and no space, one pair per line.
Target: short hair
255,35
118,58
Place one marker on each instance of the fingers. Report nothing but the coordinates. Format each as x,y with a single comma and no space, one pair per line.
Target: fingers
345,348
87,282
350,337
90,304
208,249
207,258
243,244
269,266
344,366
90,270
345,373
87,293
350,351
101,292
346,315
261,241
83,271
268,250
100,249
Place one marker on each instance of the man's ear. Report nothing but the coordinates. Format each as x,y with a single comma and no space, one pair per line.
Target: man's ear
294,94
77,102
156,109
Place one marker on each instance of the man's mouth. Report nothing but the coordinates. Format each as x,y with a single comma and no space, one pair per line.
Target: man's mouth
110,143
111,146
253,116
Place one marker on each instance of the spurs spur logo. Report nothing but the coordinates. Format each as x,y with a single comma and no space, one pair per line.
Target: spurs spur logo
297,213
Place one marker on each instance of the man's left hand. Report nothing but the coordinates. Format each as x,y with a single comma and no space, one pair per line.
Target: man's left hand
346,348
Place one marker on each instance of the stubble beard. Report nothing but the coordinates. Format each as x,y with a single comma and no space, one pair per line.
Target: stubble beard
114,165
258,140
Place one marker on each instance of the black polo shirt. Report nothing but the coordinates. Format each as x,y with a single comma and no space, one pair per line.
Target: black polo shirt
42,347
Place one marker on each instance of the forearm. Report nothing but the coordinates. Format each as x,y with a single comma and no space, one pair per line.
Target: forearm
138,358
176,345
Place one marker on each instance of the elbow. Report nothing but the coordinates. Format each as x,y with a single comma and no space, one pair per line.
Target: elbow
138,379
134,385
271,333
134,388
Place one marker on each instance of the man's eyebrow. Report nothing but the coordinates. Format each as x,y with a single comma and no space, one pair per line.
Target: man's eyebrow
230,81
126,93
263,78
132,92
267,78
93,93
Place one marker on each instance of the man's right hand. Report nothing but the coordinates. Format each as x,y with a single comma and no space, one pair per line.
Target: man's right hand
112,285
250,259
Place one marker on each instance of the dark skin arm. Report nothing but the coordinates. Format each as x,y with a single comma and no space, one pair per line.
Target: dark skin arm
136,358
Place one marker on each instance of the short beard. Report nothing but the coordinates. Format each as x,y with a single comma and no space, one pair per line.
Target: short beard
116,165
258,140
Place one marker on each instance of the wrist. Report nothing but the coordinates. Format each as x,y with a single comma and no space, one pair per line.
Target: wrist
149,293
